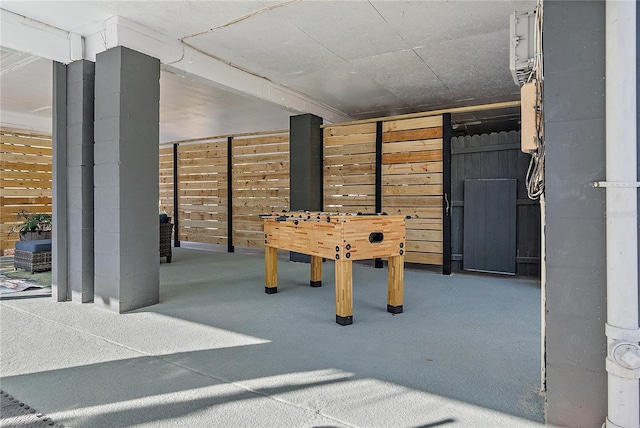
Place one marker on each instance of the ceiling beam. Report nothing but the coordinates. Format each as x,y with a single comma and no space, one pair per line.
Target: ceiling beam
33,37
185,58
452,110
27,35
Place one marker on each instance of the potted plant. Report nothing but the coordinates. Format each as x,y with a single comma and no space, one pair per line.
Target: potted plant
33,226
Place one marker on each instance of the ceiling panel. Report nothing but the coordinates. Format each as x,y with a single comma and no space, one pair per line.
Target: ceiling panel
345,87
422,23
192,108
407,76
268,45
473,68
351,30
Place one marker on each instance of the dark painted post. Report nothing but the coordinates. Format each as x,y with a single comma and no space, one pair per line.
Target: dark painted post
447,133
230,248
176,208
378,264
305,168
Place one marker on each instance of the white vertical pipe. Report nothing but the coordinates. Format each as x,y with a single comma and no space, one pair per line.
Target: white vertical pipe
622,216
543,293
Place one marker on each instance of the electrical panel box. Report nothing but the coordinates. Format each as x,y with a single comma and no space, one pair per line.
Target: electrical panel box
522,45
528,117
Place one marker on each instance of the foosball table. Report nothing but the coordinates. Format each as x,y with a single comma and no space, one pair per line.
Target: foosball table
342,238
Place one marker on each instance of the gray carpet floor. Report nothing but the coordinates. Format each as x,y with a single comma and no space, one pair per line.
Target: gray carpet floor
217,351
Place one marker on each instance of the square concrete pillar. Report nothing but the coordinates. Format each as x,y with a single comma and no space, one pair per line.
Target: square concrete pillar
575,290
59,272
72,276
80,120
127,258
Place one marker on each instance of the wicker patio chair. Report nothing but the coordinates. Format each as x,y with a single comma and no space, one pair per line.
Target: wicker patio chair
33,256
166,228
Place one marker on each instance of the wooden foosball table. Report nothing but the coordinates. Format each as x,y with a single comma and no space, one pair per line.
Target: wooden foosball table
342,238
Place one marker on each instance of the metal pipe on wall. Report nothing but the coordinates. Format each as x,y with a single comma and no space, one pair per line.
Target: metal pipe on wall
623,334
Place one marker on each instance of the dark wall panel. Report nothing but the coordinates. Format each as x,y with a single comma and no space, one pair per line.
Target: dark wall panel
490,225
495,156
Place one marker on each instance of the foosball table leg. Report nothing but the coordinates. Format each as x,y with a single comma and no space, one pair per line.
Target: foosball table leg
344,292
395,283
316,271
270,270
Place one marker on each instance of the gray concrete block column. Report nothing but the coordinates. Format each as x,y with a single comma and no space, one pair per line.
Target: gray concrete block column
305,168
127,262
80,108
574,108
73,94
59,272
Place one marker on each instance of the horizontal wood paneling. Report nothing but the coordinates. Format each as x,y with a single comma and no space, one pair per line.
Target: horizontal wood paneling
349,168
166,202
412,135
25,179
202,192
260,184
357,129
410,124
412,179
412,183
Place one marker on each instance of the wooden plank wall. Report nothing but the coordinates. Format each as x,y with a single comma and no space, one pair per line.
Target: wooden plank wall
165,204
412,177
350,168
25,180
495,155
202,192
412,183
260,184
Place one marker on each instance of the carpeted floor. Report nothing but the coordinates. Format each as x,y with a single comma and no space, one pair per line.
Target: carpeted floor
218,351
13,281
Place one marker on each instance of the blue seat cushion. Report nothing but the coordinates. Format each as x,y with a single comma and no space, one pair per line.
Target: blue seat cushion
37,246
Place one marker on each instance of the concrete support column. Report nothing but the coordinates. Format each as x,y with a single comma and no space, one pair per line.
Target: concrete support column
59,273
80,107
127,262
73,90
575,306
305,167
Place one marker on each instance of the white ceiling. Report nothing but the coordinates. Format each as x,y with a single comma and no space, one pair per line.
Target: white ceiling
362,58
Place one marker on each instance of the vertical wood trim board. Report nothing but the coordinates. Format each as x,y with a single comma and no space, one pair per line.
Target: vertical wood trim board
230,248
447,134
